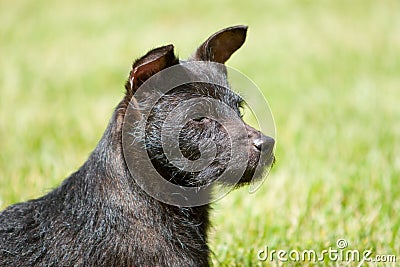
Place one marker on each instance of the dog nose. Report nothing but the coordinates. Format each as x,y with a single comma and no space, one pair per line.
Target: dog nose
264,142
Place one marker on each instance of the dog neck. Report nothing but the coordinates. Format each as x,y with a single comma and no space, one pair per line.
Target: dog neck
127,213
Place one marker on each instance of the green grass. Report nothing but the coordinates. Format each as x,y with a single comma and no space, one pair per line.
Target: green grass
329,69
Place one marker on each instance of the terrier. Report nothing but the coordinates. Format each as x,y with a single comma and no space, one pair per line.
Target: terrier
104,215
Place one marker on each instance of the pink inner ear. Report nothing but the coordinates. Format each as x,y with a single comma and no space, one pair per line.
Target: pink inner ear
151,63
142,72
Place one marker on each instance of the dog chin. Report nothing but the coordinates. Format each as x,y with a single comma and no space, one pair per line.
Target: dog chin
257,166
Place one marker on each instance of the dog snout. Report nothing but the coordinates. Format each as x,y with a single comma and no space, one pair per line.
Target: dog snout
264,143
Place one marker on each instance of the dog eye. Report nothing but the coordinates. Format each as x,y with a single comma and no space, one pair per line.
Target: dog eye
200,119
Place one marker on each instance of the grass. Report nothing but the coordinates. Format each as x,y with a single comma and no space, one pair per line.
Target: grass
329,69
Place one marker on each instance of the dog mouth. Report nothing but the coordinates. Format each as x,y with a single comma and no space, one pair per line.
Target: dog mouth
261,159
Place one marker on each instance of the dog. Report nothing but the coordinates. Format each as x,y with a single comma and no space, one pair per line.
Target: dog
103,214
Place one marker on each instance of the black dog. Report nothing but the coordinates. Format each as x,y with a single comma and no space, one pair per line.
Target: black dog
101,216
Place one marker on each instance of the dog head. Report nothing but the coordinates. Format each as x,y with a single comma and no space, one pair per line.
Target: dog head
193,133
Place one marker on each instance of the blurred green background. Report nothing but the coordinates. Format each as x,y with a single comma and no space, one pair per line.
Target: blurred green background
329,69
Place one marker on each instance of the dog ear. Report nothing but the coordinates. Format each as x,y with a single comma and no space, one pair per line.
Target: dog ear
142,69
154,61
221,45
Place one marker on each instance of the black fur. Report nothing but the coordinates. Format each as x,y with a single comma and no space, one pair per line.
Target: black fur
99,216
